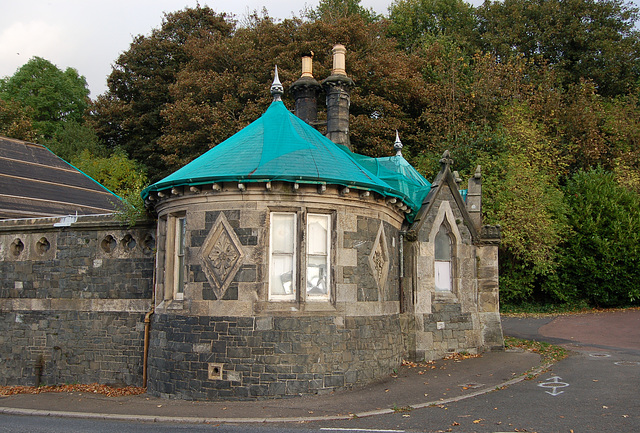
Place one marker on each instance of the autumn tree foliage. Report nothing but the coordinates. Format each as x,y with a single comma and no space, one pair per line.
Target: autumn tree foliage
53,97
129,114
533,100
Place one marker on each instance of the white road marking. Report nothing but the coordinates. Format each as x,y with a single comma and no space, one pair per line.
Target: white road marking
553,382
362,429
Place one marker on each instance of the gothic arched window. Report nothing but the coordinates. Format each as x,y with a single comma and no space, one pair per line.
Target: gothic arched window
443,253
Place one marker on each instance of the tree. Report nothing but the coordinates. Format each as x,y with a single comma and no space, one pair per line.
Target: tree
416,22
601,259
335,10
522,195
74,138
119,174
225,85
590,39
128,115
15,122
53,96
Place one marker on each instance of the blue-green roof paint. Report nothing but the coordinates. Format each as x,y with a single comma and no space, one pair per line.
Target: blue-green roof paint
400,175
281,147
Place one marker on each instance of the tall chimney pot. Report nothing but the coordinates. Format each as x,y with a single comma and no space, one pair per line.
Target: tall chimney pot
305,92
338,91
339,66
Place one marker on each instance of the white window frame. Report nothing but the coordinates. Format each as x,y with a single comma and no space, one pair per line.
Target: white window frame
327,257
175,265
299,282
293,255
443,269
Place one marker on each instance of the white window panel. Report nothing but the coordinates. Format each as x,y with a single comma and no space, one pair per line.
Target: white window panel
178,261
318,256
443,275
282,257
283,232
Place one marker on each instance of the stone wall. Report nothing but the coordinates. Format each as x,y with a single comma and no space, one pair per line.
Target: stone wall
274,356
73,294
446,321
57,347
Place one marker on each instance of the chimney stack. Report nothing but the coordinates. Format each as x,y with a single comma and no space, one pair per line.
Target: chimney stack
338,90
305,92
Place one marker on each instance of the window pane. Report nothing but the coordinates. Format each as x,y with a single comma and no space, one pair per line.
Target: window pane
317,284
282,276
180,275
181,231
443,275
318,256
443,245
282,233
317,228
178,271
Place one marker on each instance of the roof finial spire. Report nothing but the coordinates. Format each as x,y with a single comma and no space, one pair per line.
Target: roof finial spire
398,145
276,88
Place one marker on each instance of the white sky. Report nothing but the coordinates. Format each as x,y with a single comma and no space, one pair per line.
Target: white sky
89,35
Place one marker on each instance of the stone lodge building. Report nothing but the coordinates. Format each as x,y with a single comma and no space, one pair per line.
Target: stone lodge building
281,264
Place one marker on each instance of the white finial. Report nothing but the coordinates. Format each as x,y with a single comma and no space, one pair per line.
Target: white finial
398,145
276,88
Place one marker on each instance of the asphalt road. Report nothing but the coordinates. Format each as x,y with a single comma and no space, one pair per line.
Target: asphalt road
596,389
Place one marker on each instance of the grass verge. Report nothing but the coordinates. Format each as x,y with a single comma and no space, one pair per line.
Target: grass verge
550,353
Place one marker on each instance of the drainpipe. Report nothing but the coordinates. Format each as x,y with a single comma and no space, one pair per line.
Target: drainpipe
401,273
147,327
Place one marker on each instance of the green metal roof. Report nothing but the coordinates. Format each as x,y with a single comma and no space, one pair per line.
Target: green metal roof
400,175
281,147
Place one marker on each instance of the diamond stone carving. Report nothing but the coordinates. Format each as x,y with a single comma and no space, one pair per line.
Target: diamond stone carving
379,258
221,255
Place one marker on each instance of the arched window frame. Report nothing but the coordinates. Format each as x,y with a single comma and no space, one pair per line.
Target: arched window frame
445,217
443,259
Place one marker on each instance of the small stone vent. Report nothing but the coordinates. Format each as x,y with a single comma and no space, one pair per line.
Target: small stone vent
215,371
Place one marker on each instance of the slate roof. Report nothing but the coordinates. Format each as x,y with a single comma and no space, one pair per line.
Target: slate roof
277,147
36,183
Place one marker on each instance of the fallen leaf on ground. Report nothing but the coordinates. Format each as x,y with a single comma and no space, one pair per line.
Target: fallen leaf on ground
93,388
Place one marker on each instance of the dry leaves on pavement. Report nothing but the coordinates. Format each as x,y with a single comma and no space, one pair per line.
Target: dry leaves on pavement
93,388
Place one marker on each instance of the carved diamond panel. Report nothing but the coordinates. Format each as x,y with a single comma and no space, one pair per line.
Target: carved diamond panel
379,258
221,255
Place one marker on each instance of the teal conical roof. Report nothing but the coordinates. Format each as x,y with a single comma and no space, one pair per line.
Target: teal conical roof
396,172
277,147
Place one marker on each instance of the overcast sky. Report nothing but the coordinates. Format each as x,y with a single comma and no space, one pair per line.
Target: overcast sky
88,35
